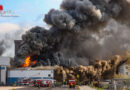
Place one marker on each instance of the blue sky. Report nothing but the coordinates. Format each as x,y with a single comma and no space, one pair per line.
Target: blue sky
29,11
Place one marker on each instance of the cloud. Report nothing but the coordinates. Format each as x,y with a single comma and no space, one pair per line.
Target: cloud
8,27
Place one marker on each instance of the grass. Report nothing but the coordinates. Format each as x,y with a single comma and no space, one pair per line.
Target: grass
99,88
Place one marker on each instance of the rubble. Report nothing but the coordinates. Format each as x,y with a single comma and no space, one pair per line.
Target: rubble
100,70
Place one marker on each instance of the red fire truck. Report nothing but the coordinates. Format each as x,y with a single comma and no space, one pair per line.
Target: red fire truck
41,83
24,82
47,83
37,83
72,83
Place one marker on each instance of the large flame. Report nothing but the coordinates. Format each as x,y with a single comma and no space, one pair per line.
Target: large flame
28,62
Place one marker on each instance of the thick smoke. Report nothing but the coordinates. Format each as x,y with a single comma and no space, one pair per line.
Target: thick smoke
7,40
80,32
1,47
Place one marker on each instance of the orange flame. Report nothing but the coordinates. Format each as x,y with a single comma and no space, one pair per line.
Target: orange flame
28,62
34,62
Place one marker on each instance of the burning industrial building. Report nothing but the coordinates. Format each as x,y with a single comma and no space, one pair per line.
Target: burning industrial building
80,32
86,43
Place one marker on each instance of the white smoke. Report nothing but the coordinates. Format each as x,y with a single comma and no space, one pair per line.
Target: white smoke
8,33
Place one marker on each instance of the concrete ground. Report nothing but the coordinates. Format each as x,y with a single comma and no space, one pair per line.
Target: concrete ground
45,88
86,88
32,88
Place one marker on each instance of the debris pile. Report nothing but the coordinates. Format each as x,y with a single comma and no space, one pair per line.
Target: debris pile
100,70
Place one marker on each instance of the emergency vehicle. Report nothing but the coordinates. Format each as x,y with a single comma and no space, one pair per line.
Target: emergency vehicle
72,83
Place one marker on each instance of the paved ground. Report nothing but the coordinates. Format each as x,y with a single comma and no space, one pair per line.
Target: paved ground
57,88
32,88
86,88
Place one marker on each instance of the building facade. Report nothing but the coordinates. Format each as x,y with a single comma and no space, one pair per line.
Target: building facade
4,64
125,69
13,76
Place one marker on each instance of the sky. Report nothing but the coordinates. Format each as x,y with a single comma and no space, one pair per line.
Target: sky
29,11
30,14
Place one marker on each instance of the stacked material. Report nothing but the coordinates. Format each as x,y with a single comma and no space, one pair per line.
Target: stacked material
100,70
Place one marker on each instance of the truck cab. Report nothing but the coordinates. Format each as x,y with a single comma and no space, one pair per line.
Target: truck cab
72,83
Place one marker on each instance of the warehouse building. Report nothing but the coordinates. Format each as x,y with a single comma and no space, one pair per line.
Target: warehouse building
13,76
10,76
4,64
125,68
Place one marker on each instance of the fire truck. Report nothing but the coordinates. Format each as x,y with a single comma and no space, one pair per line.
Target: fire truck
24,82
72,83
37,82
41,83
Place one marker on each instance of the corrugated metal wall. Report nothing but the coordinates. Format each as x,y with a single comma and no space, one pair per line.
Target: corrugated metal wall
4,63
3,71
14,75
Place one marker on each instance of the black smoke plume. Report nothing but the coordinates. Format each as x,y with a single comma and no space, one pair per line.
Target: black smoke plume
79,33
1,47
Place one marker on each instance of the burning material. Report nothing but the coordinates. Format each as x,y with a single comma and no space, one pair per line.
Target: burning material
78,34
34,62
28,62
